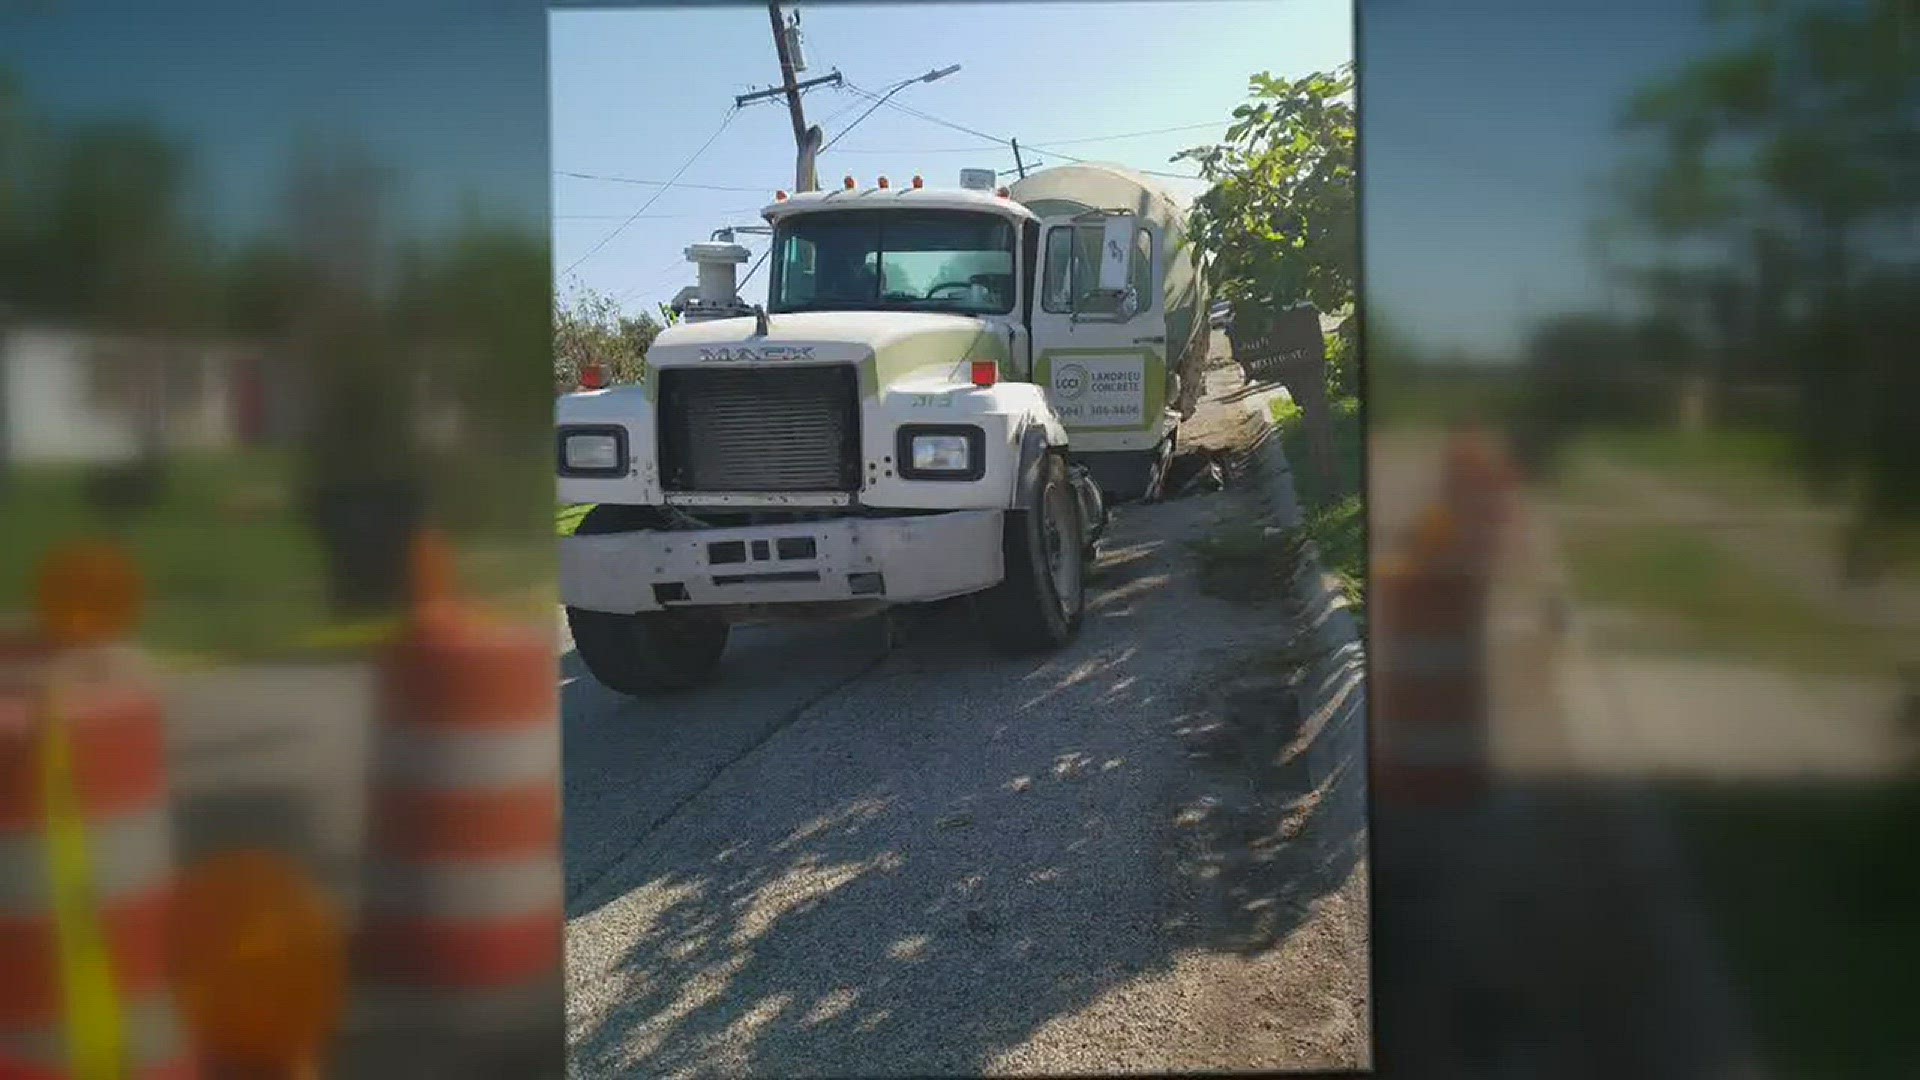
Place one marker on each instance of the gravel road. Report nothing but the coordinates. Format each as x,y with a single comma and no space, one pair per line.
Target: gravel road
848,861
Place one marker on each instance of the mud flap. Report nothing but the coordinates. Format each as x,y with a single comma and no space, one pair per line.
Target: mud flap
1162,464
1093,506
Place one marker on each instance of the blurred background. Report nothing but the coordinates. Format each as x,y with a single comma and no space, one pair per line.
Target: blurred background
274,306
1641,288
1639,277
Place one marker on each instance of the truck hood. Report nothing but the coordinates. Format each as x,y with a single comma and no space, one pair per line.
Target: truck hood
830,335
893,348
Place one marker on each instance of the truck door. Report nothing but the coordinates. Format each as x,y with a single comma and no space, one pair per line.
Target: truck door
1101,354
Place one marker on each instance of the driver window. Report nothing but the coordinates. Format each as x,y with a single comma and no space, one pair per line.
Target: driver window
1072,270
1056,290
1143,270
798,273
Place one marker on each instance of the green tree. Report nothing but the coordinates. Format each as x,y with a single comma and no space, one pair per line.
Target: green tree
1279,221
589,327
1775,170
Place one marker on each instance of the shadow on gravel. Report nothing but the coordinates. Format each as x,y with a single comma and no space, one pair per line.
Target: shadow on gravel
1278,818
857,940
628,762
1242,393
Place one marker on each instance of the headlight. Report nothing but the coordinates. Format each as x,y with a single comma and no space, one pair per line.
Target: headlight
593,451
942,452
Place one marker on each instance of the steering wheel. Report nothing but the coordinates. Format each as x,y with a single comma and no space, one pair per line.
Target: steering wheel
949,285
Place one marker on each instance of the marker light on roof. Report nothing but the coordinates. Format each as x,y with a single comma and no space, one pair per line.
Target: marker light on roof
883,183
917,182
1003,193
779,196
849,183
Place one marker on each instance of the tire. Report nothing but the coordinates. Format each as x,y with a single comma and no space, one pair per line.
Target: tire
650,651
1037,606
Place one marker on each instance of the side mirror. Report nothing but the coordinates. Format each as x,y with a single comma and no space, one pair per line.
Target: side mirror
1116,252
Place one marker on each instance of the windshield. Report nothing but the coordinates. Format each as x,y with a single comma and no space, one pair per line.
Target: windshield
922,260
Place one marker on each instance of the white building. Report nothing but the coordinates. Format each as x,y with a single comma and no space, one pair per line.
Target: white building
84,397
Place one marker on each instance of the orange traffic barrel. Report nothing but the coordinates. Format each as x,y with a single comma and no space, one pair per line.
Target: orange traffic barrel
260,966
1427,685
109,721
1478,489
462,914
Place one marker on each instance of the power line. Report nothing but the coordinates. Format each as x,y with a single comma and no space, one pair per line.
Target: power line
1003,142
756,265
660,217
672,271
657,183
911,111
1054,142
726,120
905,153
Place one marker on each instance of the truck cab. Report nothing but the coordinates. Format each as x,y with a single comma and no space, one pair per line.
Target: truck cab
872,435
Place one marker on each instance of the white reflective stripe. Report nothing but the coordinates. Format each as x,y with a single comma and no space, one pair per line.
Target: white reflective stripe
154,1037
126,853
467,892
421,756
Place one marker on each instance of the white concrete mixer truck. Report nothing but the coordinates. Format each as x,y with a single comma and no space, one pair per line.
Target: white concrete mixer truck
942,394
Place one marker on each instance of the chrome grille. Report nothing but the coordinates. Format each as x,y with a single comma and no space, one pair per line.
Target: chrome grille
765,429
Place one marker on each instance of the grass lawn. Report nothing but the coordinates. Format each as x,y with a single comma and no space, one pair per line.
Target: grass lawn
1239,561
1742,466
1812,892
232,568
1691,598
1335,517
229,566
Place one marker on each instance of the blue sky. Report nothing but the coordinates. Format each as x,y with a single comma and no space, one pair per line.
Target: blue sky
1486,124
636,92
1486,129
450,93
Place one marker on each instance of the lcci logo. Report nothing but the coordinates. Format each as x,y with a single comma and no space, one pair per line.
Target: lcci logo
1069,381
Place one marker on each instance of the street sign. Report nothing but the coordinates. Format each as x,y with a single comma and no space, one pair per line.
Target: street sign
1291,342
1292,351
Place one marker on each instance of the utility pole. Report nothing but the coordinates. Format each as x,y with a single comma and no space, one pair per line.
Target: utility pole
806,140
1017,163
803,176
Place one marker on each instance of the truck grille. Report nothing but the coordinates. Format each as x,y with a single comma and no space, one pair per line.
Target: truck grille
767,429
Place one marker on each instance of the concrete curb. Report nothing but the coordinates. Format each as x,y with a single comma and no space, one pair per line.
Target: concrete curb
1333,695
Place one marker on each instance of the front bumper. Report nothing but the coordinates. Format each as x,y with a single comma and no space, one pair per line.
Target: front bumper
907,559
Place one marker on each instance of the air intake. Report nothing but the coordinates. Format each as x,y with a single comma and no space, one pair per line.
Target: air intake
768,429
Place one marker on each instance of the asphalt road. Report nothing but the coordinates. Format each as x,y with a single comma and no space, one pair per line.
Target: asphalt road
845,861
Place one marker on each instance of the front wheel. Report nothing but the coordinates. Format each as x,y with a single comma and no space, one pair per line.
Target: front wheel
652,650
1038,604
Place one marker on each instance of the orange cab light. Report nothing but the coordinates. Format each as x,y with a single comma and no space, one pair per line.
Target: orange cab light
1003,193
917,182
779,196
883,183
986,372
849,183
